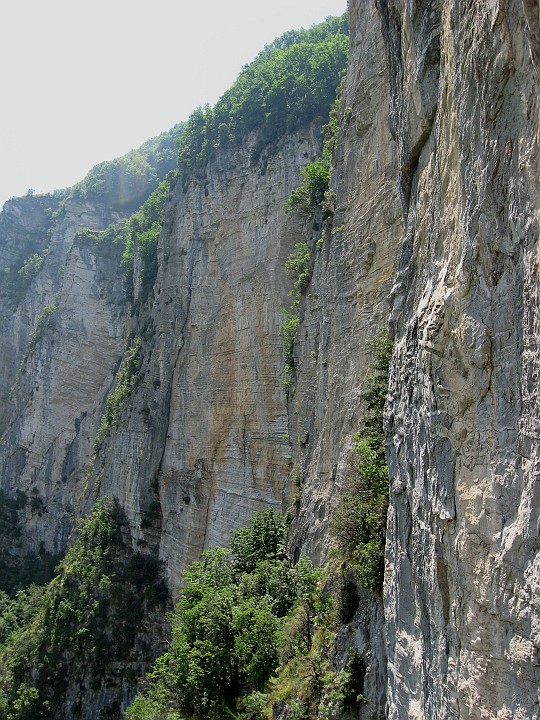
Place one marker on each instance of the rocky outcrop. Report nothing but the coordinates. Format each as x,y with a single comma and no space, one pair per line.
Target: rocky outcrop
202,443
64,338
345,306
461,591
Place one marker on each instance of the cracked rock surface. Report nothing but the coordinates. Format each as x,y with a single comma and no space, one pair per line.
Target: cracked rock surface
462,581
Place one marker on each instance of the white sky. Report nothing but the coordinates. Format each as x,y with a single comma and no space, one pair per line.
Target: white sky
83,82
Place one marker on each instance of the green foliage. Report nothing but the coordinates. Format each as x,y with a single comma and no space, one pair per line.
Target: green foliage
308,683
263,539
127,379
342,692
253,706
287,332
31,267
313,192
310,194
298,268
17,610
290,82
376,389
359,523
45,323
227,628
26,242
124,183
86,619
140,236
305,669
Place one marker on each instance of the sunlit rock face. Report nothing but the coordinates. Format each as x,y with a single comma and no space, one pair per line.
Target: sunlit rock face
434,234
206,443
462,581
203,442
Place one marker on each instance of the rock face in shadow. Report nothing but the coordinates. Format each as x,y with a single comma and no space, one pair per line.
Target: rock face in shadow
62,337
346,304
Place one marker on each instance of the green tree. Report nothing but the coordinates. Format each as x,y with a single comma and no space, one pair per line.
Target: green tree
289,83
310,193
227,627
262,539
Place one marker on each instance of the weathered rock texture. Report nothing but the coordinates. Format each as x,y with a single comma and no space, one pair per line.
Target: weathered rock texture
203,441
461,592
436,187
206,443
58,369
346,305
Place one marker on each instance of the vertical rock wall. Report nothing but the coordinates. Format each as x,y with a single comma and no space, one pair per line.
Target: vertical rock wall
56,370
205,444
436,187
462,582
346,305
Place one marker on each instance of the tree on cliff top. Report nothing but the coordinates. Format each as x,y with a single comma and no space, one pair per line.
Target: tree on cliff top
292,81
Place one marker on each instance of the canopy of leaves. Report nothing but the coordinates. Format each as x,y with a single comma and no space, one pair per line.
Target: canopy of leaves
86,619
289,83
227,627
124,183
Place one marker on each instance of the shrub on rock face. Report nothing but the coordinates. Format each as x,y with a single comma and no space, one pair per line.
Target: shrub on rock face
359,523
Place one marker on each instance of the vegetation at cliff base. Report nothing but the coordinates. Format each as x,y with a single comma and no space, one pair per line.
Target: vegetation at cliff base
252,633
80,625
229,628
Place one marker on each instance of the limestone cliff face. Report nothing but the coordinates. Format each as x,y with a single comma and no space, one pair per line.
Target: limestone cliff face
345,306
24,227
461,591
61,342
435,233
203,440
205,444
446,120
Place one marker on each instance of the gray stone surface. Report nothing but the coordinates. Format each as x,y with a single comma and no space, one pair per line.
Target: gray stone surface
461,591
435,230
